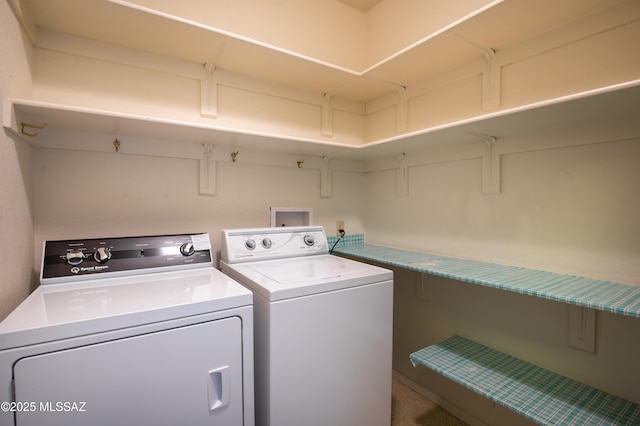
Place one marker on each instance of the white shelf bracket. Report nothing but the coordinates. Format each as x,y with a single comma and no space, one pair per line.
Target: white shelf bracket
326,188
491,170
582,328
327,122
208,171
9,120
12,123
491,82
423,287
402,109
402,178
209,92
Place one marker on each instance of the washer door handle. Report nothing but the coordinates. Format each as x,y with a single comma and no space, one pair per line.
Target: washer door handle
219,381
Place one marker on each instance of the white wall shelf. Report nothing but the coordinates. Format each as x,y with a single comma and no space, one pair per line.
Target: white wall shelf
44,124
477,31
542,396
475,44
619,102
616,298
50,116
616,102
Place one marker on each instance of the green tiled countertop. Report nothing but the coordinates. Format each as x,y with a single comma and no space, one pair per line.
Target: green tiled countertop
542,396
606,296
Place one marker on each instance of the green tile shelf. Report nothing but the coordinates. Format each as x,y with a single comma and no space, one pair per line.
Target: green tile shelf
542,396
617,298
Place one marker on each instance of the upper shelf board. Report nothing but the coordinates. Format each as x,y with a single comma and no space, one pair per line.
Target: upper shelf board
65,117
618,102
497,25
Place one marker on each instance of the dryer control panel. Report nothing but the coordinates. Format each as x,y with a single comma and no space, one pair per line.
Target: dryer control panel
68,260
250,245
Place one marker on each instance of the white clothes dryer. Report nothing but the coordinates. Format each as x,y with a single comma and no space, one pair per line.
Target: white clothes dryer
129,331
323,328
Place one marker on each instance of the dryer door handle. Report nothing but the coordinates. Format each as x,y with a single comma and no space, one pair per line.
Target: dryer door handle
219,381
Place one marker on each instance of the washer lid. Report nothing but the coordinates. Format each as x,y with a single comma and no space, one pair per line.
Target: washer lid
75,309
287,278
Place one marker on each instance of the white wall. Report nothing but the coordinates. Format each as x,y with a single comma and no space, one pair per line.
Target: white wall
88,194
568,210
16,232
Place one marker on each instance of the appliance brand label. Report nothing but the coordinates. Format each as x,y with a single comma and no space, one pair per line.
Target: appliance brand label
77,270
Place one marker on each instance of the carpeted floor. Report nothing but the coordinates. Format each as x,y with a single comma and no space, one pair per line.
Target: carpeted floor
409,408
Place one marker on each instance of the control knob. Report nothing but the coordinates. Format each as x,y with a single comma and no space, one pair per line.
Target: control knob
187,249
250,244
309,240
75,257
102,255
267,243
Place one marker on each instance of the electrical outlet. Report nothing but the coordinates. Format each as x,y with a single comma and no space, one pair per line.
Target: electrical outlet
339,226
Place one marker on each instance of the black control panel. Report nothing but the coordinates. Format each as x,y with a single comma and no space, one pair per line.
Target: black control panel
103,256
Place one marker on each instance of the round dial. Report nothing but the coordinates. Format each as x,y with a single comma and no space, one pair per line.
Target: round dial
187,249
250,244
75,257
309,240
267,243
102,255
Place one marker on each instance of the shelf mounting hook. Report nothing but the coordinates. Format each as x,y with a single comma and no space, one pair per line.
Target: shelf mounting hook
402,180
31,126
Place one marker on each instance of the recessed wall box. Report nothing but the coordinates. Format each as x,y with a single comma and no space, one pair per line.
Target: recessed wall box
291,216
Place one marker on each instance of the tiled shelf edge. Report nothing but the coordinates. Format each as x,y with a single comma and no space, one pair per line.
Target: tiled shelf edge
542,396
617,298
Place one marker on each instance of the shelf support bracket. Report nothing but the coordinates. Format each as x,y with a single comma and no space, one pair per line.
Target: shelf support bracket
209,92
491,170
402,178
12,122
30,133
423,287
402,109
326,188
327,122
208,171
491,82
582,328
9,120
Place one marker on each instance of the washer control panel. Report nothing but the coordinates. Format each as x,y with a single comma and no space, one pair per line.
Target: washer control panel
247,245
102,257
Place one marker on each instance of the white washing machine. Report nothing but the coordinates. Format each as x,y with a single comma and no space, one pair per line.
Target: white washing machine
129,331
323,328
